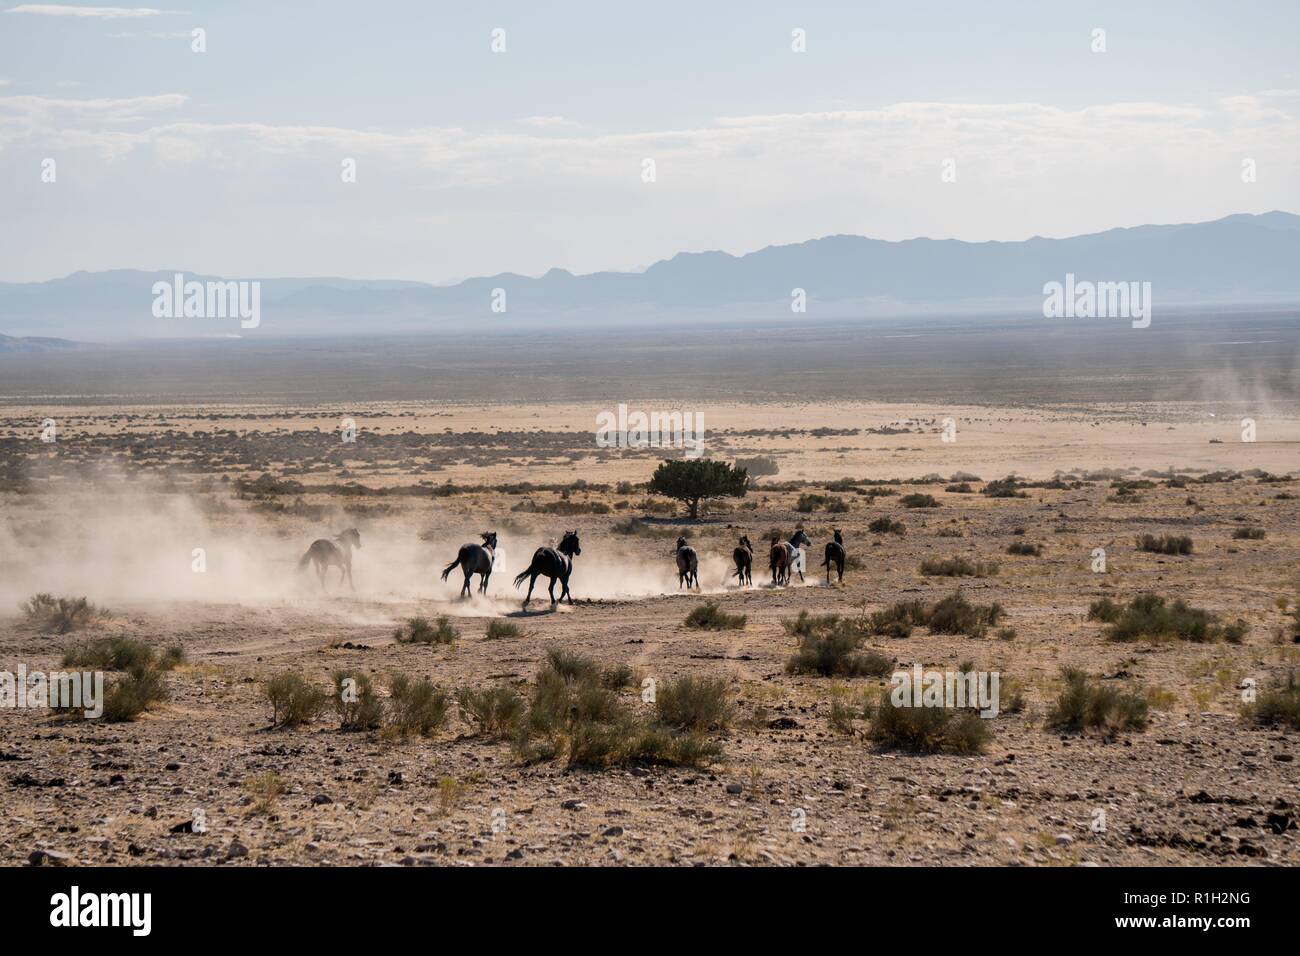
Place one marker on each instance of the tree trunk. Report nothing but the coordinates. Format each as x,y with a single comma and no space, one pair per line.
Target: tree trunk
694,506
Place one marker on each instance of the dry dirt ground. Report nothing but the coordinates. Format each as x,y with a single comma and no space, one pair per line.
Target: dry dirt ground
115,508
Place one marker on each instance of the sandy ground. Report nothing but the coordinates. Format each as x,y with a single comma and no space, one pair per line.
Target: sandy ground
1196,787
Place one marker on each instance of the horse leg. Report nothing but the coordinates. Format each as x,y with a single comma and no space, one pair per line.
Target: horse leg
483,580
464,590
564,593
551,590
348,567
531,582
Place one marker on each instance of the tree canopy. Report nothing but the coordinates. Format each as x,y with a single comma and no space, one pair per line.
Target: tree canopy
696,480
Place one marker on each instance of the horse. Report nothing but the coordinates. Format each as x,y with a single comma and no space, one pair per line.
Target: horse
326,554
782,556
555,563
835,554
475,559
744,558
688,565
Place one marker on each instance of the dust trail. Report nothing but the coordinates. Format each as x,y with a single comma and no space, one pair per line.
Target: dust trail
134,542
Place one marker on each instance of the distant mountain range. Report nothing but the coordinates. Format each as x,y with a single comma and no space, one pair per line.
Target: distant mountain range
1241,259
10,343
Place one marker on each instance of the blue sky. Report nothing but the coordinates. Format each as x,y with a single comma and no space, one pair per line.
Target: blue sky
473,162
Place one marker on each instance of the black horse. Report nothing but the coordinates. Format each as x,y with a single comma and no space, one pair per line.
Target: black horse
688,565
554,563
782,556
475,559
744,558
835,555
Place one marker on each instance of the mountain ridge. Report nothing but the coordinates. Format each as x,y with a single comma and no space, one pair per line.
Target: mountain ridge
1242,258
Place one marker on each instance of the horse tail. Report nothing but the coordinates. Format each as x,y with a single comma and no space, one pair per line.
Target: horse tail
523,574
306,560
449,568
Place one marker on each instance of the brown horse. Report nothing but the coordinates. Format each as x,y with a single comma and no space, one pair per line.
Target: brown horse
475,559
835,555
782,556
325,554
688,565
744,558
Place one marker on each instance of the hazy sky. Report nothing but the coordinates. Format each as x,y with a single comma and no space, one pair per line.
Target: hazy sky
471,162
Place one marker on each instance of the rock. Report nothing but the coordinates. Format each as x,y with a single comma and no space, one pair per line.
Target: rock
1064,839
1279,822
573,805
735,788
321,799
615,831
49,858
236,850
515,854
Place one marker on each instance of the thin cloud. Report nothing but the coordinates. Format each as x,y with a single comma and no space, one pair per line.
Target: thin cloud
98,13
550,122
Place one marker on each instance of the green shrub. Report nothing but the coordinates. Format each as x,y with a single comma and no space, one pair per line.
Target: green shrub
955,615
172,657
949,615
830,646
1165,544
1149,616
957,567
498,628
1248,534
358,705
1278,706
1025,549
494,711
887,526
1086,703
418,630
1004,488
130,696
60,615
917,500
694,703
618,676
293,700
111,654
416,706
571,666
927,730
710,617
1104,610
573,715
898,619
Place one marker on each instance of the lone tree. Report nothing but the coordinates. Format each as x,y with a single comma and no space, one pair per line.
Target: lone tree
693,481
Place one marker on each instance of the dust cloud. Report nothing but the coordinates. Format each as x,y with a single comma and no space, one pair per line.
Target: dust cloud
122,543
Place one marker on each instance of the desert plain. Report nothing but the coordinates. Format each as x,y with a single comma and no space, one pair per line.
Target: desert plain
183,522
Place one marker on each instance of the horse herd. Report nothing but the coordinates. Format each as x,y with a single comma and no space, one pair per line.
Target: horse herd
784,558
